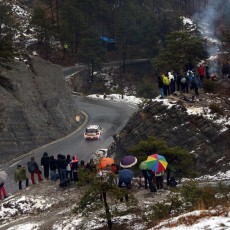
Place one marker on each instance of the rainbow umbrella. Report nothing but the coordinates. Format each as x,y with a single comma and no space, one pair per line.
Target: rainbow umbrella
156,163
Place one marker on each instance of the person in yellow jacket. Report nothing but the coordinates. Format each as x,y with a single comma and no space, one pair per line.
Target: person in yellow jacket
166,85
20,175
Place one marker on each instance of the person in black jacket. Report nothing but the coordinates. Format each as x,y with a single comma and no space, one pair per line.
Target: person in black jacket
63,164
45,161
148,177
161,86
53,167
33,168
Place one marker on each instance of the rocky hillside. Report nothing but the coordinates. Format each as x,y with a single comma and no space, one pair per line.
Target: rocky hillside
188,125
35,106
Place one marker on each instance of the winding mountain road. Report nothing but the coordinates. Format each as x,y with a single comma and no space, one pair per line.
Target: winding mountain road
111,116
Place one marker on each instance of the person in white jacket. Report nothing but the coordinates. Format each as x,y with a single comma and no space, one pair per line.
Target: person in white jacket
171,82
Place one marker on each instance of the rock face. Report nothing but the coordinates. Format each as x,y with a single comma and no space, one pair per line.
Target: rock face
35,106
207,140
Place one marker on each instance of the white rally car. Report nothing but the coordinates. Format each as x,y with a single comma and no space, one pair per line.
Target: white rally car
92,132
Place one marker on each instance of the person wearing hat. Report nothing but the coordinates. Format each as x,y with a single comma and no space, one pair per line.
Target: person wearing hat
20,175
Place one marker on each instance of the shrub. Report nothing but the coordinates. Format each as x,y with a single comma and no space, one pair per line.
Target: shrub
215,108
147,90
204,196
210,86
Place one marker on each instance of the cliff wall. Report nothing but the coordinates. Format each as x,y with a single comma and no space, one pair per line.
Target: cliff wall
35,107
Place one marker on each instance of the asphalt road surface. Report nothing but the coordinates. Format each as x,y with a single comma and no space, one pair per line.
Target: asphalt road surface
111,116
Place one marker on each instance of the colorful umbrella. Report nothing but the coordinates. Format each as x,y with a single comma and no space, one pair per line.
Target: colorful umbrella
105,162
143,165
128,161
156,163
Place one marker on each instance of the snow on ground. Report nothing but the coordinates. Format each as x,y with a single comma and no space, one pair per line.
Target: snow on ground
117,97
29,205
193,110
197,220
217,177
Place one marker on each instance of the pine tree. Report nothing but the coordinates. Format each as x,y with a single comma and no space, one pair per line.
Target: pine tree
7,25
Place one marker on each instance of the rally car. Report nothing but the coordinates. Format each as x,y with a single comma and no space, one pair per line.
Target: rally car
92,132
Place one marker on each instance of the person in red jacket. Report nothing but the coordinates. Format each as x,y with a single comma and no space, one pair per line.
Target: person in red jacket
2,191
201,72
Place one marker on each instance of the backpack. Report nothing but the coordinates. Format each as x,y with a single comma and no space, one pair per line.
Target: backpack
68,168
165,80
31,167
183,80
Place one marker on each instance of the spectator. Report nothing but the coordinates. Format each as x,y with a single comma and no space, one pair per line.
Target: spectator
53,167
2,191
45,160
171,82
178,81
68,168
63,165
33,168
114,168
184,84
207,72
196,84
148,178
74,168
59,158
161,86
159,180
82,164
166,85
201,72
20,175
125,177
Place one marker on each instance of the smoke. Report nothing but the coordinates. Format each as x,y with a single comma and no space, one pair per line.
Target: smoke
207,22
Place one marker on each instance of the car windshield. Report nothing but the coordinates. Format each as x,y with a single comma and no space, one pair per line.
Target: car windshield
91,130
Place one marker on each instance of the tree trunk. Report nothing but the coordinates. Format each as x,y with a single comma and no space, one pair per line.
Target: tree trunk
57,15
107,212
52,13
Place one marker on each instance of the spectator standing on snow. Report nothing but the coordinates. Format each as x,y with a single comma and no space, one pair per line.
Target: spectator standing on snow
196,84
68,168
63,165
59,158
166,85
171,82
45,161
53,168
125,177
74,168
184,84
33,168
148,179
201,72
178,77
2,191
207,72
3,176
159,180
20,175
161,86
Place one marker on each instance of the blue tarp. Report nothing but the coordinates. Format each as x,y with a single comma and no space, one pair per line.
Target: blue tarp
107,40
